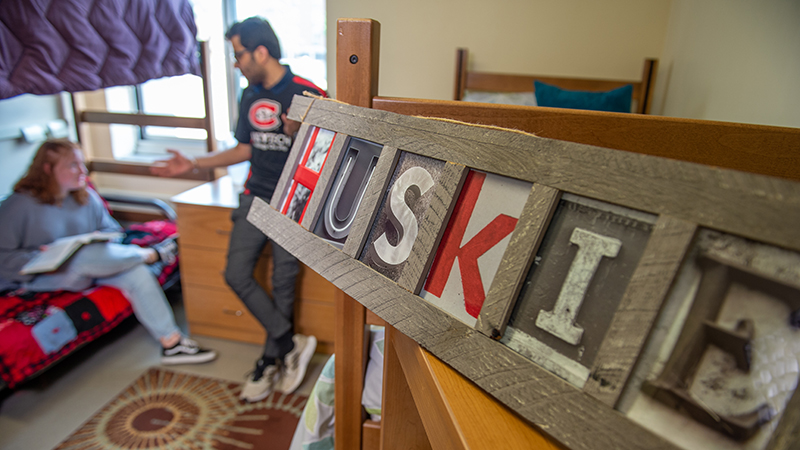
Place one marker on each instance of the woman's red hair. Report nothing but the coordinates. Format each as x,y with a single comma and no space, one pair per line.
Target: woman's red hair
40,182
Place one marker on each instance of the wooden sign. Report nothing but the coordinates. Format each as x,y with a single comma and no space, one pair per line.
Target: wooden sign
354,173
305,169
397,226
624,296
473,244
733,363
576,282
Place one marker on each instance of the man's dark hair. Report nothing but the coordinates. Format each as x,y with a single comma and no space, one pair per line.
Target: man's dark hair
253,32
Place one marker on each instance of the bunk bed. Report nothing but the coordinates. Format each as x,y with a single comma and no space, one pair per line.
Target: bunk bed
91,54
505,88
427,404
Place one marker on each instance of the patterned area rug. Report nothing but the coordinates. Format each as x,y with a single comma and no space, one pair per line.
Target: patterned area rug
171,410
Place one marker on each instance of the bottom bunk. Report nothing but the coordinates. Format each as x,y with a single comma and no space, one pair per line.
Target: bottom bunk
39,329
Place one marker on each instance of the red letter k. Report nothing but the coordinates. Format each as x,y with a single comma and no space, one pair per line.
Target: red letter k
468,255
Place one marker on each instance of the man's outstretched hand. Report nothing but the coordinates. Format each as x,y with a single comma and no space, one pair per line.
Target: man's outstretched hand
171,167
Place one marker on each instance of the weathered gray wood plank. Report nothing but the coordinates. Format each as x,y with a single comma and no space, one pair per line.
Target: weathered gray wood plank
371,202
658,266
324,182
432,227
294,155
525,240
708,196
575,419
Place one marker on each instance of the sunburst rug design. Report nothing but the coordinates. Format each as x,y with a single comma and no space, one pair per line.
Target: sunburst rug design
171,410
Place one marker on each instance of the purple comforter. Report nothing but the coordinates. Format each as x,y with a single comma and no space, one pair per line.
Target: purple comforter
49,46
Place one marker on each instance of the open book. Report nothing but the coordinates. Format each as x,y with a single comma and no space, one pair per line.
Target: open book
61,249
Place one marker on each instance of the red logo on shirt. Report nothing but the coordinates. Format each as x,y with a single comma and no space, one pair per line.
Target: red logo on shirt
264,115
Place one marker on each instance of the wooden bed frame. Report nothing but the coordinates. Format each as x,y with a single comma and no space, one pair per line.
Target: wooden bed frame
501,82
426,404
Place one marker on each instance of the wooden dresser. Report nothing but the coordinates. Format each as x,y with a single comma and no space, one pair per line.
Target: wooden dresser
212,309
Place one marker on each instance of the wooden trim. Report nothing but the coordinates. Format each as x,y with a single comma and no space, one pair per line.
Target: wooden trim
143,169
745,147
434,410
357,56
485,81
373,319
401,425
370,435
658,186
534,393
493,424
516,262
646,291
462,57
357,84
648,86
141,119
351,347
502,82
208,103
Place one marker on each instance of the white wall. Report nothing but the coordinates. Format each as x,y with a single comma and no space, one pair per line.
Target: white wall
732,60
419,38
729,60
16,154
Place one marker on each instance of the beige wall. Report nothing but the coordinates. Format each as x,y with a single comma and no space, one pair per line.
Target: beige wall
732,60
15,153
607,39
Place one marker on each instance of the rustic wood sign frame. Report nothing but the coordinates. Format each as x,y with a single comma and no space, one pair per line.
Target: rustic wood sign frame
684,197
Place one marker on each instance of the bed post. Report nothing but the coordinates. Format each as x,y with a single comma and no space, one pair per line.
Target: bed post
357,53
461,73
357,50
648,85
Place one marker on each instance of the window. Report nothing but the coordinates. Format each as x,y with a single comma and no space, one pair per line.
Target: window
159,97
301,28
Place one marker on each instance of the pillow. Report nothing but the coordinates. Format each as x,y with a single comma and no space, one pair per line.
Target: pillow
373,379
503,98
616,100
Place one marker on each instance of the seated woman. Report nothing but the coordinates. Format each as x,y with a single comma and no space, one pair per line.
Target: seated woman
51,201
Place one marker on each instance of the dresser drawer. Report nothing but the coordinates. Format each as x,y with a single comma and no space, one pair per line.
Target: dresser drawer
204,226
218,313
220,308
206,267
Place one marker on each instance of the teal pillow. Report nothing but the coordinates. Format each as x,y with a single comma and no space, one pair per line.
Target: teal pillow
616,100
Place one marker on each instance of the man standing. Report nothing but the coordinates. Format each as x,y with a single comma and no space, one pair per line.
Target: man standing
264,136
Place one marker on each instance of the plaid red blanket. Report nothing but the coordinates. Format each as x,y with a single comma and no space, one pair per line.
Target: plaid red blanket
39,329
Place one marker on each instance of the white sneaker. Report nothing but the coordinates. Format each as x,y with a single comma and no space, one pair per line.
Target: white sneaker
186,351
296,362
260,384
167,250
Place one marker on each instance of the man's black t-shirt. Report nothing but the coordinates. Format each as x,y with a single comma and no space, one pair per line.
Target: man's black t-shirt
260,125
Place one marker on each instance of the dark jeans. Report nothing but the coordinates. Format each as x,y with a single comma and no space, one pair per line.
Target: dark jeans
275,313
